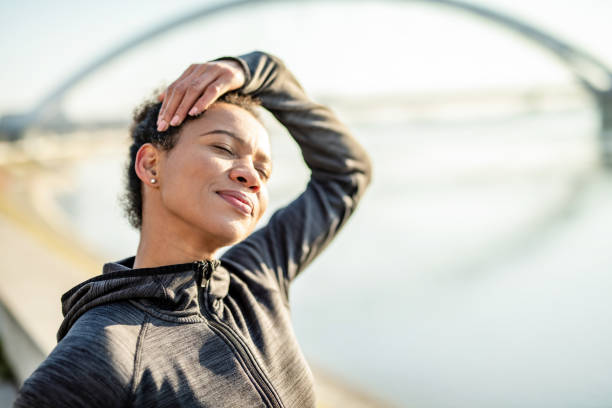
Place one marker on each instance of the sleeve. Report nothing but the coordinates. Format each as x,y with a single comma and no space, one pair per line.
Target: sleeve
74,375
340,171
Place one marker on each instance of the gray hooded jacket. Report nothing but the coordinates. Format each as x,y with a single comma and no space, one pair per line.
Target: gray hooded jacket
211,333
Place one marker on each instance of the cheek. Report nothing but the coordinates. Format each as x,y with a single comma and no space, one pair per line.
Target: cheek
196,169
187,182
179,182
263,202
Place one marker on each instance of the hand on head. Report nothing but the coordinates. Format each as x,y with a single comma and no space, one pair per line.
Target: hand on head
196,89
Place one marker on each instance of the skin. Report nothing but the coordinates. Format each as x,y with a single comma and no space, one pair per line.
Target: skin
210,188
196,89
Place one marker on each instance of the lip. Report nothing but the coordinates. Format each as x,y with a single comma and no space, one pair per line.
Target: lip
238,200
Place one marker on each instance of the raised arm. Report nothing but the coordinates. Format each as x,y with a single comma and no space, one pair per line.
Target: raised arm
340,168
340,171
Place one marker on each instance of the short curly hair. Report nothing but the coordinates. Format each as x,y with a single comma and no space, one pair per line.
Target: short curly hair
144,130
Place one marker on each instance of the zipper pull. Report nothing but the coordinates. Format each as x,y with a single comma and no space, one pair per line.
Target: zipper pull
201,267
205,270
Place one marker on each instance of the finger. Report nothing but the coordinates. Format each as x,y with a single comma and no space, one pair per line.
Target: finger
198,83
192,94
174,90
161,96
212,92
162,119
167,117
168,95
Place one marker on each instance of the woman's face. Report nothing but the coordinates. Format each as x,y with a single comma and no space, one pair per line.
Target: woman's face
213,181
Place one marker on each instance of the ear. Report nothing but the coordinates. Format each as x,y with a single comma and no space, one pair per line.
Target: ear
147,160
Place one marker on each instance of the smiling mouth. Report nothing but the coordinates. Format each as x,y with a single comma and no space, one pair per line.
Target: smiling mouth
237,200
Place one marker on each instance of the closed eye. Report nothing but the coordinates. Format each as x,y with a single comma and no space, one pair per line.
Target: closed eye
263,174
224,149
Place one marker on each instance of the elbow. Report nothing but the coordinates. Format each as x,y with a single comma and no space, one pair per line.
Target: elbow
367,169
363,176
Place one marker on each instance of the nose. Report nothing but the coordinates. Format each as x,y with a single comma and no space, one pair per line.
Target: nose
247,176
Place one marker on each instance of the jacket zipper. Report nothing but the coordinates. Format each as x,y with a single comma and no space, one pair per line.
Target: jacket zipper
206,269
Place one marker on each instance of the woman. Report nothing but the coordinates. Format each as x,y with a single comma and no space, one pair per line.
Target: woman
172,326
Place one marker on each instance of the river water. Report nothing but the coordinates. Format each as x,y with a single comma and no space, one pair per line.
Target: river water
446,288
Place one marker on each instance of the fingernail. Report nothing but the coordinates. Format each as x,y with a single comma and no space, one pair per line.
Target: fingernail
162,126
175,120
193,111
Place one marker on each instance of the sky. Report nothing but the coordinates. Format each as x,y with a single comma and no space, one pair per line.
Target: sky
334,47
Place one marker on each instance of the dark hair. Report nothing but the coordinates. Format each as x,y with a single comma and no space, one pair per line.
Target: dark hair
144,130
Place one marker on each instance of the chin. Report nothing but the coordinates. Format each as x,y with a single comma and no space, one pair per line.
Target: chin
230,233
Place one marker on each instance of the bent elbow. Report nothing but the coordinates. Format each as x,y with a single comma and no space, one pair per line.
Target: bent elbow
367,169
362,176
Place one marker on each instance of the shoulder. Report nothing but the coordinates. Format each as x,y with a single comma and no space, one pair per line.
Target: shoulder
110,331
113,321
92,366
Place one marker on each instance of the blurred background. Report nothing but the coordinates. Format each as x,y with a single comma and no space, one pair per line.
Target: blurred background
478,265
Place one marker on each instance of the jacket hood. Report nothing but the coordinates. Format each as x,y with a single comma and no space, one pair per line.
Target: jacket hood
169,292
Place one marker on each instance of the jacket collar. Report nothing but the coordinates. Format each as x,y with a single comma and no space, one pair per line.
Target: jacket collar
218,283
171,290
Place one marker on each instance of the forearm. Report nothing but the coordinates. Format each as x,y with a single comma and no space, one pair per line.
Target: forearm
327,146
340,167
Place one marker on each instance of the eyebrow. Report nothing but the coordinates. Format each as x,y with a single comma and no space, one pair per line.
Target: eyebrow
225,132
266,158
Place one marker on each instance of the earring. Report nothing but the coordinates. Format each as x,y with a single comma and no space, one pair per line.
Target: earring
153,180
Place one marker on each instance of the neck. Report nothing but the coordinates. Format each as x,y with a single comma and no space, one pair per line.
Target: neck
161,246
